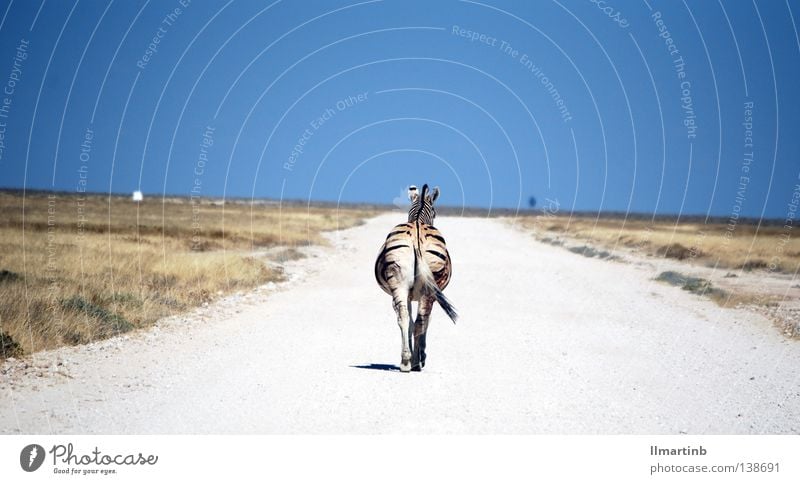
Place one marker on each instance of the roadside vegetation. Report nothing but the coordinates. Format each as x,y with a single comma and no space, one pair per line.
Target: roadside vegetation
74,270
767,259
773,248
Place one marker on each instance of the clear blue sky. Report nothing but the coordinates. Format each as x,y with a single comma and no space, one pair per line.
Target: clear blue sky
576,101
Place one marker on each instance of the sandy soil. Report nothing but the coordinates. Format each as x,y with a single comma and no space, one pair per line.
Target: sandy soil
548,342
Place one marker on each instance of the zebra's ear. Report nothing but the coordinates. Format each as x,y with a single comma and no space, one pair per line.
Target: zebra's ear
412,193
434,194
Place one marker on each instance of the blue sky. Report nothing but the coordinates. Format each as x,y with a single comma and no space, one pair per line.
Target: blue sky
576,101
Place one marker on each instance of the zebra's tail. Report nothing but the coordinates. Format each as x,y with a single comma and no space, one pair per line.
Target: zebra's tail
429,285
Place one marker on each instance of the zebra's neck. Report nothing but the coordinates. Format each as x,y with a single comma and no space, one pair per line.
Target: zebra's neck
421,211
423,220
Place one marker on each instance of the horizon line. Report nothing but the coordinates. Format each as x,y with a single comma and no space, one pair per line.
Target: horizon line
448,209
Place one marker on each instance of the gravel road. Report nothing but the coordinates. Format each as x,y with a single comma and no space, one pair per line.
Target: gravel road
548,341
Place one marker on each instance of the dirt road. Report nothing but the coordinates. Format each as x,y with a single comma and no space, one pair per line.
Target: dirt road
548,342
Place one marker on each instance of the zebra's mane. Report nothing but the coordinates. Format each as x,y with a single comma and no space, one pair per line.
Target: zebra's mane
421,210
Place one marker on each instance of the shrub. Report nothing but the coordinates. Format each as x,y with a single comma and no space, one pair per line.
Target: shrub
8,347
113,323
8,276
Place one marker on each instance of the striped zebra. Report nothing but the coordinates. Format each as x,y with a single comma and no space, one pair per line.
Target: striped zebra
413,265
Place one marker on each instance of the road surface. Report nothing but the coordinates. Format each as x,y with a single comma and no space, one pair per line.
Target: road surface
548,342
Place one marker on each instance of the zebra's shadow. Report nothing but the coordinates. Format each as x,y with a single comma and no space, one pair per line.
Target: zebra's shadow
377,366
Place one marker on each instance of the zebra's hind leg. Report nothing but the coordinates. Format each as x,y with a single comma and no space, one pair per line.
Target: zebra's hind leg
420,332
400,301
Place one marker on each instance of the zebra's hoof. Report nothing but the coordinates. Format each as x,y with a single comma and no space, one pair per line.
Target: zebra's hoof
416,368
405,367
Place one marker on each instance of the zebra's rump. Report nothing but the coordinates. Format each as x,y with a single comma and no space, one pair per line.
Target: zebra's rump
395,262
394,259
433,248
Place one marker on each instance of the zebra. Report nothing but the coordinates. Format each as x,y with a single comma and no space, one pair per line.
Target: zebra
414,265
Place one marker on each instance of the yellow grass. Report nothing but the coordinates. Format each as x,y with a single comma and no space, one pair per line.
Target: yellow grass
773,248
90,268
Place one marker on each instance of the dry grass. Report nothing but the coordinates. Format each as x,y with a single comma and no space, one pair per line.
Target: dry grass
87,269
772,249
769,256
